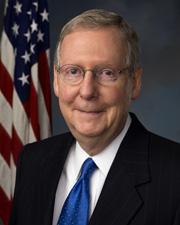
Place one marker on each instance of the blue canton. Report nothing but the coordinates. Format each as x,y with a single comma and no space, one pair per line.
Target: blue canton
27,27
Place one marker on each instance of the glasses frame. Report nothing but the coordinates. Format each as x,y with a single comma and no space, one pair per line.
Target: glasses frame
93,70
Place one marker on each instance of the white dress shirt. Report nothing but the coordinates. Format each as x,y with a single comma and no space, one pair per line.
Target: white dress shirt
72,167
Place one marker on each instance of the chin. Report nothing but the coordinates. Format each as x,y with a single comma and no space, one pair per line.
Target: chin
87,132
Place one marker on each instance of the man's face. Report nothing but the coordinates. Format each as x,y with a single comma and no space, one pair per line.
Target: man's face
90,109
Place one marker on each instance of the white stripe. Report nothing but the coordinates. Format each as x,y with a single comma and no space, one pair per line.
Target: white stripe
5,177
32,137
5,114
5,8
7,54
44,120
34,76
48,56
20,121
13,174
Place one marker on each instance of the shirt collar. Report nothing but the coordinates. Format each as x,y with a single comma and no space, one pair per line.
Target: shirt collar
103,160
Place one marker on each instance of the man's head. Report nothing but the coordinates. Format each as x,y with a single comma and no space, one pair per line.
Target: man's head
96,75
99,18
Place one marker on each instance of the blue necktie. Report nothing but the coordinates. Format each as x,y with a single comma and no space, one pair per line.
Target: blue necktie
75,210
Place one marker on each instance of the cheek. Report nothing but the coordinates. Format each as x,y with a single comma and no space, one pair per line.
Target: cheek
66,97
119,100
119,95
66,94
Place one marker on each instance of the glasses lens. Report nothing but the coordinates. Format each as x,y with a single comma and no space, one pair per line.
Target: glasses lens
105,75
71,73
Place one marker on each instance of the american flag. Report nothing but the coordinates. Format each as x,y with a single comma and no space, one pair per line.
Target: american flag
25,107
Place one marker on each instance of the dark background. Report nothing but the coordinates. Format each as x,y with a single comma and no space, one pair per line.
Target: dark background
158,25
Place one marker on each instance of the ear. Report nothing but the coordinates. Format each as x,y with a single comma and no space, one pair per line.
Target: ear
55,82
137,78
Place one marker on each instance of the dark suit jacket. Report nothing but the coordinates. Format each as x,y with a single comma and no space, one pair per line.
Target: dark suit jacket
142,187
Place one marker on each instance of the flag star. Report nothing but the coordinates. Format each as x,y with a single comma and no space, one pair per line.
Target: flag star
15,29
40,36
24,79
36,5
44,15
32,48
18,7
34,26
28,35
26,57
29,13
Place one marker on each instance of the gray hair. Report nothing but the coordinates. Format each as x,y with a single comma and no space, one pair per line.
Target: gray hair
98,18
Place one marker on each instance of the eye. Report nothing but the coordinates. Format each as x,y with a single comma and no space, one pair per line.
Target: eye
73,71
107,74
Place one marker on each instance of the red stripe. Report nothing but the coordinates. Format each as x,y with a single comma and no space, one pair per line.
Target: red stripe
17,145
5,144
44,80
5,207
33,110
6,84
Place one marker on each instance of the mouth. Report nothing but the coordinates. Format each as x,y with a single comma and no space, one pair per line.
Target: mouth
90,112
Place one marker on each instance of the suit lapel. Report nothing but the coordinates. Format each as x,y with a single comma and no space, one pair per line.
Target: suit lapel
51,168
120,199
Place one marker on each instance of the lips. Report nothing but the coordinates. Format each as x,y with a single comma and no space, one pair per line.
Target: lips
91,113
90,110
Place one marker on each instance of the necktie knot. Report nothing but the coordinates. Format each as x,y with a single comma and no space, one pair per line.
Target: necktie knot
88,168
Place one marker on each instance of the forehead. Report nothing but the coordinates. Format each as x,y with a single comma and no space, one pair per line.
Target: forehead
109,30
101,43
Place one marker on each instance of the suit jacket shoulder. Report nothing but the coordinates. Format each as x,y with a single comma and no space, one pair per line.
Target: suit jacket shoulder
38,171
34,154
143,184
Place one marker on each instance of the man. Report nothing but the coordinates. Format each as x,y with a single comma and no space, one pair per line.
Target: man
136,180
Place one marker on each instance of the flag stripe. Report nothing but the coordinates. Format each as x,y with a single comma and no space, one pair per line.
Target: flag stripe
6,85
5,114
17,145
5,177
44,113
44,78
33,112
4,211
5,148
13,174
44,118
8,60
25,131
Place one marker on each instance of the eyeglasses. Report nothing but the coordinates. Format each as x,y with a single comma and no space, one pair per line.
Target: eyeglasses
74,74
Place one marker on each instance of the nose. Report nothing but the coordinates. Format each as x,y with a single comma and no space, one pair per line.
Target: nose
88,87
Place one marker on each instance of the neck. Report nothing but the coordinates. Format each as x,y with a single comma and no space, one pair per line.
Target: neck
96,144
